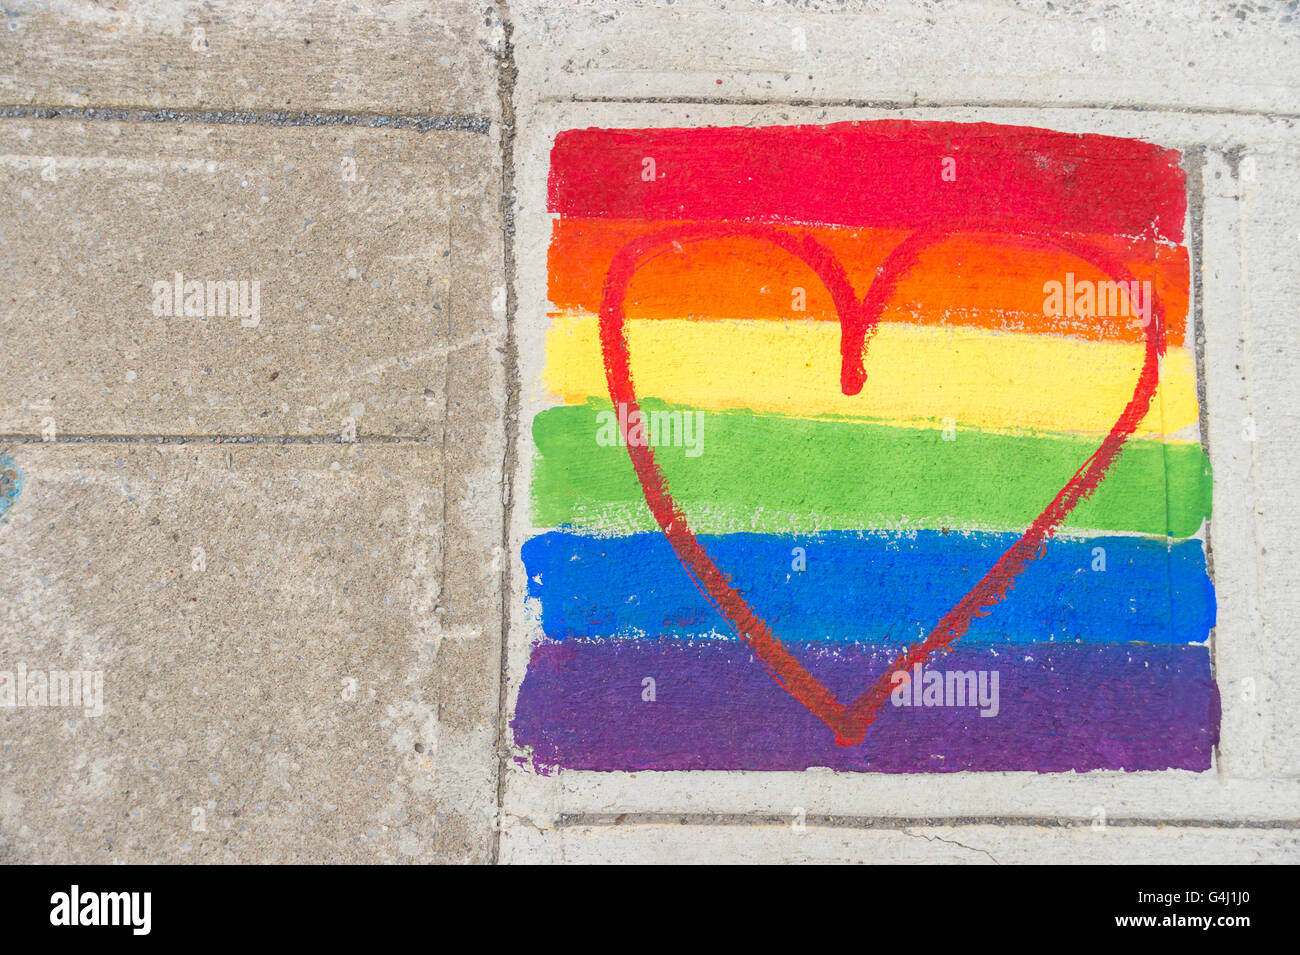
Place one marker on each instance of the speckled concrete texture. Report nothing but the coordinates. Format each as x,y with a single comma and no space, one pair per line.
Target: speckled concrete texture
275,537
281,679
289,546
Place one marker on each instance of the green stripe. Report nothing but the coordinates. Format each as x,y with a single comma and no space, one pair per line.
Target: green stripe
774,474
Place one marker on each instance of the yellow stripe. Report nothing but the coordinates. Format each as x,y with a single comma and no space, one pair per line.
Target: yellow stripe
916,375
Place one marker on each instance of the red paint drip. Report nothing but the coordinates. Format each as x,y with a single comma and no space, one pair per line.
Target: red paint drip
858,320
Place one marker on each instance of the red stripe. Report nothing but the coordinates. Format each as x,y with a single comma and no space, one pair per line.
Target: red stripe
887,173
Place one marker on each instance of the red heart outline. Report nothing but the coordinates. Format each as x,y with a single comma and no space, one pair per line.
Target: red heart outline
858,321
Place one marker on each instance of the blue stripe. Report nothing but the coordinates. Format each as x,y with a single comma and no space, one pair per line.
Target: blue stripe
877,588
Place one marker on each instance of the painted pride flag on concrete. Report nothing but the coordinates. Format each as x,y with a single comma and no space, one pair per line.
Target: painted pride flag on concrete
876,447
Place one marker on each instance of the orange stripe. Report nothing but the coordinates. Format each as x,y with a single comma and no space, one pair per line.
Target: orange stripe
969,280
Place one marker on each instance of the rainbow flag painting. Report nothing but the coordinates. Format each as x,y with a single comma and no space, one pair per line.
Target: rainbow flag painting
874,446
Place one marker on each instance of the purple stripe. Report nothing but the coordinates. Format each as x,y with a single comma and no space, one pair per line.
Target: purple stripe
1063,707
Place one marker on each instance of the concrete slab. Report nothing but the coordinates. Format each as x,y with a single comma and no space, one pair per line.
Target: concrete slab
343,244
864,800
913,845
1251,281
292,668
1148,54
407,58
1254,781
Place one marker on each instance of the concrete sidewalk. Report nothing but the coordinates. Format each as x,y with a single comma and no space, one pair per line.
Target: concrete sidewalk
285,524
